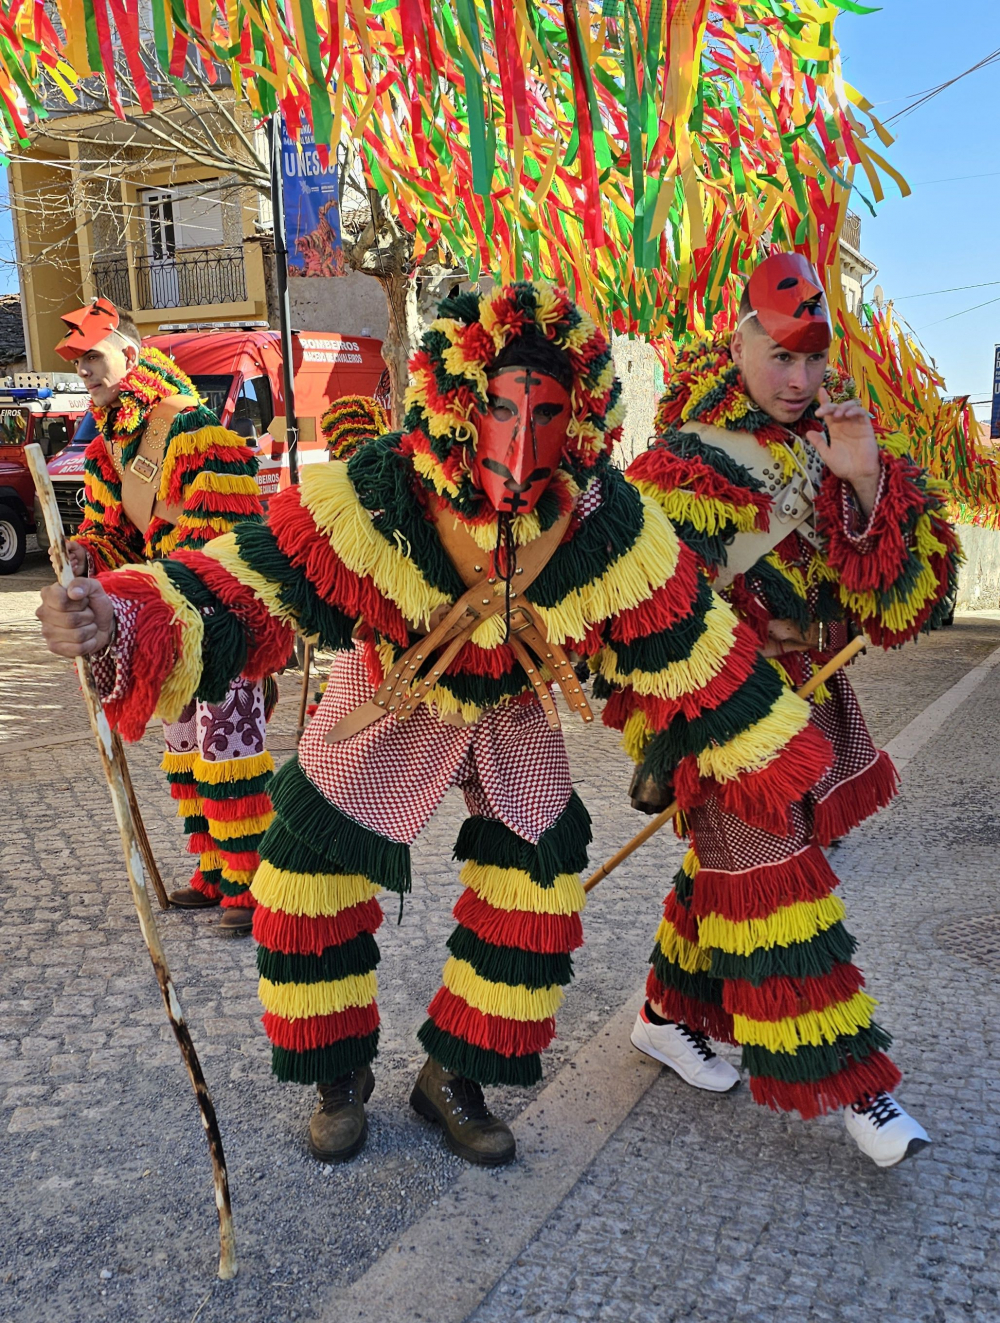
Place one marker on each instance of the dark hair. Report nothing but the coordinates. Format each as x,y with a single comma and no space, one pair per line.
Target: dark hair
128,330
532,350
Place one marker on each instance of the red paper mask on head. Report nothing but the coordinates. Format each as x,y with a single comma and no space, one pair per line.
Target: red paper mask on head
87,327
788,300
521,438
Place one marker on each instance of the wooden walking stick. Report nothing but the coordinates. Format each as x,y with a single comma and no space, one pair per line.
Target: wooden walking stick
307,653
140,827
671,811
116,778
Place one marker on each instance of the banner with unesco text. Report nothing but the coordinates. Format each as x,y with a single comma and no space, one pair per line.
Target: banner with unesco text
312,209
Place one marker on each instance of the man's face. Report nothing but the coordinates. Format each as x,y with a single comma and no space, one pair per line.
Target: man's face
521,438
103,368
781,382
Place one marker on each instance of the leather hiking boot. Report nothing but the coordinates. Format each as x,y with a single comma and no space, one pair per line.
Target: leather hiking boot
236,921
338,1128
457,1105
188,898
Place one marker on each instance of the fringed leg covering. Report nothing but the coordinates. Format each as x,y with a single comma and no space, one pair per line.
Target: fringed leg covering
679,985
518,920
776,937
207,875
237,808
316,913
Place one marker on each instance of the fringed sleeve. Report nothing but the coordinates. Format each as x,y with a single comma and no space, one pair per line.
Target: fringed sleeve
110,537
211,473
697,703
704,493
894,573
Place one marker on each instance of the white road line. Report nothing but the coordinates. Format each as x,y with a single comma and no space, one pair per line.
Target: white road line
905,746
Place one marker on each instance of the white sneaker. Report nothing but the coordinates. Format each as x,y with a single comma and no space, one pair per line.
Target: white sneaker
686,1051
883,1131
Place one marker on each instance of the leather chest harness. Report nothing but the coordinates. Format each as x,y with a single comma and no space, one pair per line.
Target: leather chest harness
140,479
415,674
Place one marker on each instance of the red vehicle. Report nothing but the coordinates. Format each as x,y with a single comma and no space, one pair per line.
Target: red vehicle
238,373
40,408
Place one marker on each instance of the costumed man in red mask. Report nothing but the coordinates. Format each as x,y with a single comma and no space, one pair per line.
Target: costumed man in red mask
162,475
811,525
456,567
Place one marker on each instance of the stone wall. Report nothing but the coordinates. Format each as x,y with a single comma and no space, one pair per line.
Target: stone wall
348,305
979,577
638,366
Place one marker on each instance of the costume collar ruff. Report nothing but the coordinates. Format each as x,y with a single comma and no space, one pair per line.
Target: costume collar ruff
154,378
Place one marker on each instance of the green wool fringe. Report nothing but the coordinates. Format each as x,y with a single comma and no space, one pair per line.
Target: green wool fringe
323,1065
224,649
601,539
478,1063
191,420
195,824
360,955
699,986
241,844
180,778
812,959
319,827
253,785
675,644
316,617
683,888
509,964
807,1064
229,888
213,877
752,701
779,593
561,849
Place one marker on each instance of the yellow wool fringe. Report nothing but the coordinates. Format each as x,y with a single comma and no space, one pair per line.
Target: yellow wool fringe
226,830
95,490
311,894
513,889
298,1001
181,684
900,615
696,671
705,513
211,861
232,769
225,551
190,443
242,876
811,1029
758,746
679,951
785,927
513,1002
648,564
328,495
636,734
178,762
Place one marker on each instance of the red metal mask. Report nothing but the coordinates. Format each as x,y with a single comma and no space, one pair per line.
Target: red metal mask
521,438
788,299
87,327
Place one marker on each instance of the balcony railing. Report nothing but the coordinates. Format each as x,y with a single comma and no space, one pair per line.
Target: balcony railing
110,277
851,233
192,279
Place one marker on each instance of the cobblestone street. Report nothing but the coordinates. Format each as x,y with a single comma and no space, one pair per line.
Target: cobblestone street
692,1208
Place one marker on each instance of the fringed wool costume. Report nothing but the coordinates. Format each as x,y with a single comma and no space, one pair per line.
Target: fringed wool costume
357,554
216,763
752,948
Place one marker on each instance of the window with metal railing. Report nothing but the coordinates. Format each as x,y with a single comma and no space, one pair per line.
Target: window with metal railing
191,279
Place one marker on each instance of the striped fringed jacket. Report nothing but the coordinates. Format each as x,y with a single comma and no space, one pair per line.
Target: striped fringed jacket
890,578
353,555
207,470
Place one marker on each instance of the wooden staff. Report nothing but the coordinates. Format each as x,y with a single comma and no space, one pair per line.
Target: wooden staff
140,827
113,771
651,828
304,696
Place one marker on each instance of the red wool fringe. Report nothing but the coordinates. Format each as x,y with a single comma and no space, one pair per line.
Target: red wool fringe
320,1030
543,933
664,607
755,893
699,1015
200,842
661,467
813,1098
242,861
300,934
471,659
228,504
306,547
684,920
879,566
750,609
851,802
157,643
232,810
244,901
206,888
511,1038
779,998
270,641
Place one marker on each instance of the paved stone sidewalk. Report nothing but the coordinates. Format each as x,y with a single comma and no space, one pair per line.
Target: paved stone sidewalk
107,1209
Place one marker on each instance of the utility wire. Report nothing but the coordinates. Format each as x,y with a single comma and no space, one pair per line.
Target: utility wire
952,290
953,179
923,97
960,314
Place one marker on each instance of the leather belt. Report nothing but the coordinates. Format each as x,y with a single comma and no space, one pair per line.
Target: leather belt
414,675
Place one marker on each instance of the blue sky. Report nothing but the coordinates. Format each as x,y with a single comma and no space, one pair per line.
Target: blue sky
944,234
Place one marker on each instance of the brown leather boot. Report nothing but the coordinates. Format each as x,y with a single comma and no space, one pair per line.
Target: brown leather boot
189,898
236,921
339,1127
457,1105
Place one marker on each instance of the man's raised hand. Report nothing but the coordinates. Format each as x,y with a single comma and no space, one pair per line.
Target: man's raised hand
76,621
849,448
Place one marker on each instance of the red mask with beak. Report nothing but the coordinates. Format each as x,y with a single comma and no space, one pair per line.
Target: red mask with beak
521,438
788,300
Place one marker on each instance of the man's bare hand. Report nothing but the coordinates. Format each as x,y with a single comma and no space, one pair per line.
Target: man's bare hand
849,450
76,621
77,559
